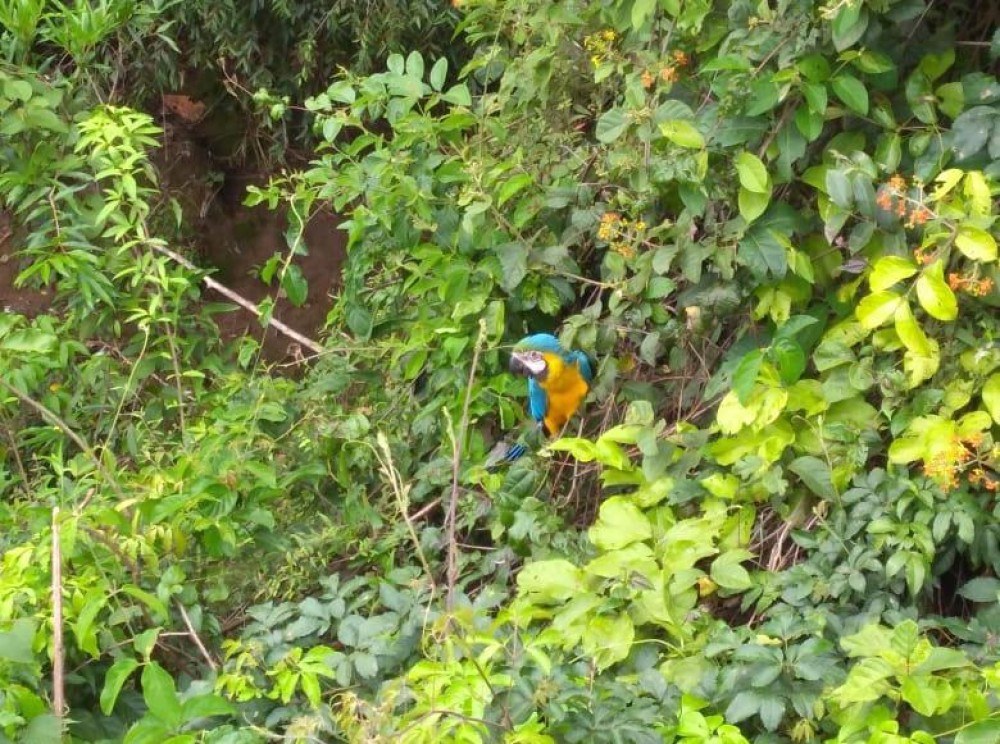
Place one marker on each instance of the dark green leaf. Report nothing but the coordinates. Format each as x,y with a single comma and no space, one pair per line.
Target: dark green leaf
745,376
982,589
852,92
114,680
611,125
160,694
815,473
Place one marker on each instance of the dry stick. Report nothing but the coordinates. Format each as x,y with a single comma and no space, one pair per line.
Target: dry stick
456,462
241,301
58,697
197,640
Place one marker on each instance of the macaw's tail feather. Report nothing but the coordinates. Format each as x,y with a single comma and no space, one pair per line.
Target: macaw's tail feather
502,454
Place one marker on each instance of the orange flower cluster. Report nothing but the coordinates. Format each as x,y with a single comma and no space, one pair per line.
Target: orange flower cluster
924,257
668,73
892,197
970,284
619,233
978,477
947,466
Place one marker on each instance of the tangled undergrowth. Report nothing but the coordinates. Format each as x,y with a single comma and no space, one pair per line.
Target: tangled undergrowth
773,226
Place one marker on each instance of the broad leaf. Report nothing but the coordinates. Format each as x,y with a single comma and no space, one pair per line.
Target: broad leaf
935,295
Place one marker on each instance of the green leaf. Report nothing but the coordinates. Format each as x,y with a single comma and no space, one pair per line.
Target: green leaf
43,729
208,705
745,376
852,92
815,473
114,679
682,133
611,125
160,694
753,204
620,523
744,705
991,396
29,341
514,263
727,572
295,284
147,731
415,65
791,359
982,589
838,187
551,581
972,129
458,95
889,271
982,732
641,10
438,74
359,320
876,309
512,186
935,295
395,63
910,332
16,643
753,174
608,639
976,244
849,25
921,696
936,65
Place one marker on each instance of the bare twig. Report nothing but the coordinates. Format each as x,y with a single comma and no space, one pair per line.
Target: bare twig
240,300
58,661
195,637
457,439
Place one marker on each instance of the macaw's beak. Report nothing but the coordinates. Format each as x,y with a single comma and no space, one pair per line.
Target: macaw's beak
527,363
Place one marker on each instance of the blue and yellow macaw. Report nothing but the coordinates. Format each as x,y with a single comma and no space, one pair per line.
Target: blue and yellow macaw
558,381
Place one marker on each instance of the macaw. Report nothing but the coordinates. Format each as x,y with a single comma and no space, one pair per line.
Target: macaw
558,381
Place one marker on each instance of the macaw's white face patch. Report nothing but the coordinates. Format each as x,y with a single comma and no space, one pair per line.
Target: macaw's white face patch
531,363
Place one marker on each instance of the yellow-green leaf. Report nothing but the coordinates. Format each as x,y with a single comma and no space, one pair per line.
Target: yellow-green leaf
947,180
890,270
876,309
619,523
977,244
910,332
682,133
551,581
753,204
991,396
753,173
921,367
978,193
935,296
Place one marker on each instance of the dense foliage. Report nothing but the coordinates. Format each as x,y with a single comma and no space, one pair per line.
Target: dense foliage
772,225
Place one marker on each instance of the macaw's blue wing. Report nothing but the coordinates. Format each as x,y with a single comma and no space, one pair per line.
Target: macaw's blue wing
502,454
583,362
538,401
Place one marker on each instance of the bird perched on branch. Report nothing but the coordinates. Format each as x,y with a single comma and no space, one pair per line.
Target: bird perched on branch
558,381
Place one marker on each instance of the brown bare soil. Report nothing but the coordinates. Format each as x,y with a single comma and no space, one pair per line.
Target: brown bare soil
222,234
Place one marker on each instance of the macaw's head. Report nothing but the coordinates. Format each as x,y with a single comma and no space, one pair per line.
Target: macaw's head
528,357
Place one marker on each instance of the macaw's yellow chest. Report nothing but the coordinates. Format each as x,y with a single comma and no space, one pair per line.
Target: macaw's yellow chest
565,388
